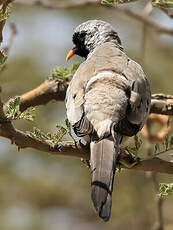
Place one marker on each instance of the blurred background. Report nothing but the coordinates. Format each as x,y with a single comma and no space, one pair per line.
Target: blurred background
39,191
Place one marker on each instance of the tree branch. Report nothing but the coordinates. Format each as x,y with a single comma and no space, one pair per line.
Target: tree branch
162,104
22,140
155,165
142,18
50,89
138,16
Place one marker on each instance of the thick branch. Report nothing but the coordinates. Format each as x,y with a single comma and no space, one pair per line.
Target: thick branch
50,89
22,140
156,165
75,150
162,104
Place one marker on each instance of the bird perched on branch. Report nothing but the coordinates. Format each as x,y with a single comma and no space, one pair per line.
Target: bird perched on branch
108,98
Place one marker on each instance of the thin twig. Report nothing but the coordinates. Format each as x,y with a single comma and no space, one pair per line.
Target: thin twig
58,5
147,11
142,18
138,16
50,89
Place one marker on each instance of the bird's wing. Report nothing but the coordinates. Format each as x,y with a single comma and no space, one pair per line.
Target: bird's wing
76,90
140,98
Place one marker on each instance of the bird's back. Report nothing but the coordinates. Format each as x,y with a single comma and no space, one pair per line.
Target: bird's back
109,58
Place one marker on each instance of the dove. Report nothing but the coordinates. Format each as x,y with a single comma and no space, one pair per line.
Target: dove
108,98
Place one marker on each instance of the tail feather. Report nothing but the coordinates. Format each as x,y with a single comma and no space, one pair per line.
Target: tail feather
103,161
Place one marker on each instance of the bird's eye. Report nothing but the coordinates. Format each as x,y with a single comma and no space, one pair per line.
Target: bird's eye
82,35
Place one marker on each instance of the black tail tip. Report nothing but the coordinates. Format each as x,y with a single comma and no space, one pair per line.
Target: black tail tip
105,218
105,210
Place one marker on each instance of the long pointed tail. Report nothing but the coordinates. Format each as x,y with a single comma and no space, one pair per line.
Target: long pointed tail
103,164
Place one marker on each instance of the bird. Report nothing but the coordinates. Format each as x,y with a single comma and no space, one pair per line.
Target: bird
107,99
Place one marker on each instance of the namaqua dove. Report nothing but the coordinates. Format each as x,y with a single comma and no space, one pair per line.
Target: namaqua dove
108,97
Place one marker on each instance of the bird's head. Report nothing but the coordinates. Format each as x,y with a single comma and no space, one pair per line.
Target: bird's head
90,34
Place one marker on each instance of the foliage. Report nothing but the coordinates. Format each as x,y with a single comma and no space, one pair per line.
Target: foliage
3,57
5,15
165,189
163,147
159,148
131,151
167,4
12,111
51,138
117,1
65,73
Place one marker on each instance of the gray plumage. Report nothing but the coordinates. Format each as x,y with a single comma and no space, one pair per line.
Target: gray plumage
108,97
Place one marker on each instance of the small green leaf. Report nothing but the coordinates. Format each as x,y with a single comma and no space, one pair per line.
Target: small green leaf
167,4
107,1
61,132
3,57
12,111
28,114
116,1
67,123
49,138
165,189
5,15
138,142
64,73
166,142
